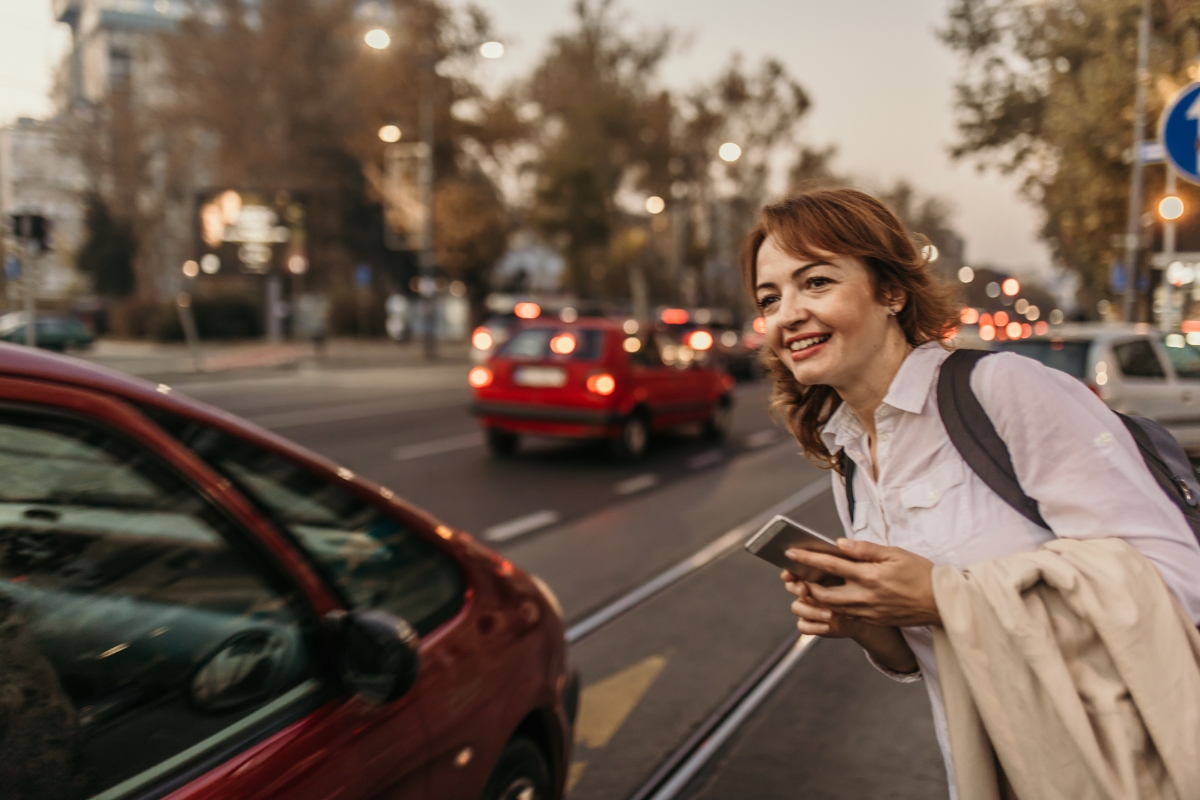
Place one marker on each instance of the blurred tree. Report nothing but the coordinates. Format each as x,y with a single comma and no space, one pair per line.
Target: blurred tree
1047,94
108,252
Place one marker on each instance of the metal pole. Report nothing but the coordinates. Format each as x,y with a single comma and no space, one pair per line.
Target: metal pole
427,258
1134,221
1166,321
28,281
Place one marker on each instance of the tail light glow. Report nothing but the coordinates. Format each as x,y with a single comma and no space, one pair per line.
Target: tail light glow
479,377
602,384
674,316
527,310
700,340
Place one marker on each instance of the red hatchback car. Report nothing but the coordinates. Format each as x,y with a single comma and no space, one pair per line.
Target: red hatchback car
192,607
599,378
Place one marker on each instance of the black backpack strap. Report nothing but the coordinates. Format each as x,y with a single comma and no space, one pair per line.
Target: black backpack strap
974,435
848,467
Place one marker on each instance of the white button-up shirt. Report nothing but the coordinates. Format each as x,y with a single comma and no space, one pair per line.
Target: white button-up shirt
1070,453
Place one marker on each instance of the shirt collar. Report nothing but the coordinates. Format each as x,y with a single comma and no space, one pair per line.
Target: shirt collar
908,392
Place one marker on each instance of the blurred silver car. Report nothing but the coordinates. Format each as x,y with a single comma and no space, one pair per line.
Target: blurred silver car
1134,368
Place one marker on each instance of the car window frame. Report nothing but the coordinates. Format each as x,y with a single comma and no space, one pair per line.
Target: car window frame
113,416
383,500
1164,361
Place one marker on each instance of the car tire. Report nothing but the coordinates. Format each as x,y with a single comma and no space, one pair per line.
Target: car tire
632,440
501,443
716,427
520,774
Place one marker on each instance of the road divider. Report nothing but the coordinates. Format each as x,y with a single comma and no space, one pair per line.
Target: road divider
638,483
714,551
521,525
438,446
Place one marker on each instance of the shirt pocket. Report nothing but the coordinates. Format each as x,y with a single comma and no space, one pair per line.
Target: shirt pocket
927,491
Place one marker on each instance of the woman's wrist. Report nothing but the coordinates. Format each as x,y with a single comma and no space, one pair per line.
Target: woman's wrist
888,648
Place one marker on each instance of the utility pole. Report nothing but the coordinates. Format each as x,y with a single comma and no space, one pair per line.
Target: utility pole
1167,319
425,176
1133,227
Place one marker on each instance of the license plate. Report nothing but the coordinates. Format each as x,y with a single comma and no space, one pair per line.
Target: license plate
541,377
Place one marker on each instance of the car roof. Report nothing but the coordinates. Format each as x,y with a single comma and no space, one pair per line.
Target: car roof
17,361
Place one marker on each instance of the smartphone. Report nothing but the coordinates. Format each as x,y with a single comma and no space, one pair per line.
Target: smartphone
781,534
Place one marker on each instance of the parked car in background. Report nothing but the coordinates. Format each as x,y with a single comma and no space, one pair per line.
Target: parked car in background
1133,368
54,331
599,378
192,606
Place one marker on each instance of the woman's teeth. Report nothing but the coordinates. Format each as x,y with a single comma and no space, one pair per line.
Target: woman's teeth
801,344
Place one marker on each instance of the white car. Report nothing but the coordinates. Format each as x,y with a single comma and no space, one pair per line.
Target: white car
1134,368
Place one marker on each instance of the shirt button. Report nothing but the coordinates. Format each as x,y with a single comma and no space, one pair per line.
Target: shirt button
932,494
884,437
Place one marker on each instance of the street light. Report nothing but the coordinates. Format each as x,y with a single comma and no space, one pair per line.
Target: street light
729,152
377,38
1170,207
390,134
655,205
492,49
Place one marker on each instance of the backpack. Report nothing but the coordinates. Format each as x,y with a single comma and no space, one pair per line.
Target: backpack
987,455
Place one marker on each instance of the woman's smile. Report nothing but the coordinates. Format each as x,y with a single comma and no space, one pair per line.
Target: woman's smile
806,345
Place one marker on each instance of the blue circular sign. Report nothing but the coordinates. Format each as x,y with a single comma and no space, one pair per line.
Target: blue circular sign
1180,132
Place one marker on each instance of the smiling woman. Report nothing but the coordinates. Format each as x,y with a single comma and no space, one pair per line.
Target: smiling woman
837,278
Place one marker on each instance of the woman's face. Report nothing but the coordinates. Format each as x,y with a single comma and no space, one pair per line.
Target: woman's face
823,318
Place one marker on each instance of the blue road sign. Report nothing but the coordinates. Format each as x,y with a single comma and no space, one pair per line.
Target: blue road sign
1179,131
362,275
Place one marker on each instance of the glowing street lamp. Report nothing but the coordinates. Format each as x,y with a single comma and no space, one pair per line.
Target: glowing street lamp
655,205
377,38
492,49
729,152
1170,207
390,133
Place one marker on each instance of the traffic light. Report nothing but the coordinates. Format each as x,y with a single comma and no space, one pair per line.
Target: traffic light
34,228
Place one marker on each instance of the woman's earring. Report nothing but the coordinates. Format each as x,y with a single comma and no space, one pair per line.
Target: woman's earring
892,311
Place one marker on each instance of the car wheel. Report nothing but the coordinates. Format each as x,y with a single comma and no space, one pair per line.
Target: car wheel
630,444
719,420
502,444
520,774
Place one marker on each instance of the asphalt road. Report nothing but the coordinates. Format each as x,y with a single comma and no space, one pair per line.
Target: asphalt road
596,530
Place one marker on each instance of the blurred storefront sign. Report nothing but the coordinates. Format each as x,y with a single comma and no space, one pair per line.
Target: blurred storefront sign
258,230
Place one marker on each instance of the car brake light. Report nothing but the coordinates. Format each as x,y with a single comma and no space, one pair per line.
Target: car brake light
700,340
527,310
674,316
479,377
602,384
482,339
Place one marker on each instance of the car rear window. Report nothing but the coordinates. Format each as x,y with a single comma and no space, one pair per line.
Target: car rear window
1069,357
541,343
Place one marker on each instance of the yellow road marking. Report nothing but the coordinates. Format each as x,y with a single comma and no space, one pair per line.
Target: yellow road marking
606,704
574,773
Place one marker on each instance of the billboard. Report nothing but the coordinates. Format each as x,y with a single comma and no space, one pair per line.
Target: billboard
250,231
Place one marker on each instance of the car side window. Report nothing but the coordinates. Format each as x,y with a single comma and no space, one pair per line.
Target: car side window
1184,356
140,631
371,557
1138,360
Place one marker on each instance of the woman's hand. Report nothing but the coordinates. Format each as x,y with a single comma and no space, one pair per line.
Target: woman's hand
884,586
815,620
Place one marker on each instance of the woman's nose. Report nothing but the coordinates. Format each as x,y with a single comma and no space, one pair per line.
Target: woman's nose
793,310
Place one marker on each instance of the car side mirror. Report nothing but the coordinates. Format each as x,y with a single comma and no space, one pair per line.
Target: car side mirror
378,660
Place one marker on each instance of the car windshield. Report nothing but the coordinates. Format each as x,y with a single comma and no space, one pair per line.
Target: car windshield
577,344
1070,357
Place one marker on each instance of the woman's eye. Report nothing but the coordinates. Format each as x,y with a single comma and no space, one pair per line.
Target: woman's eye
818,282
770,299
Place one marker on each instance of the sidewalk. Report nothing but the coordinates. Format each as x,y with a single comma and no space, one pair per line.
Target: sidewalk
155,360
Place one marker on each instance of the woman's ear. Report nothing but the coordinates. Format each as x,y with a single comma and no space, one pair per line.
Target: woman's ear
895,301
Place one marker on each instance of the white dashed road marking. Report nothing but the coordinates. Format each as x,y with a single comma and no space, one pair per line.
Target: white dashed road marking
521,525
637,483
438,446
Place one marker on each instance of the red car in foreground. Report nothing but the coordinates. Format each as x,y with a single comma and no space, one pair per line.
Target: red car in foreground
599,378
194,608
